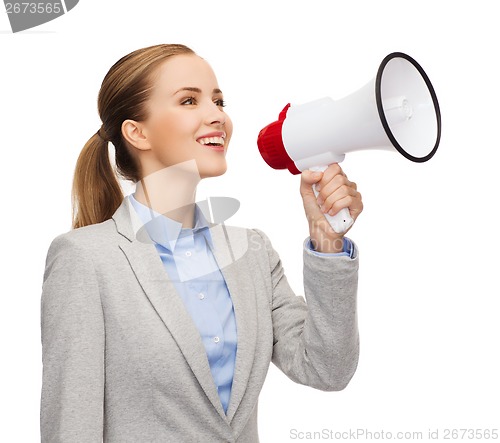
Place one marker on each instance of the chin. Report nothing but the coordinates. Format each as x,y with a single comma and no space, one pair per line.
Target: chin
213,169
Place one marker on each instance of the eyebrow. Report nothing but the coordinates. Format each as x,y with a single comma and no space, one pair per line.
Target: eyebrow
197,90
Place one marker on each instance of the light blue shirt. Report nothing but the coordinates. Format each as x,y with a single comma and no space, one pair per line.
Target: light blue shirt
190,263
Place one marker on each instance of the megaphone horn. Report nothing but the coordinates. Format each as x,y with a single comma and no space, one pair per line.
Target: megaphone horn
396,110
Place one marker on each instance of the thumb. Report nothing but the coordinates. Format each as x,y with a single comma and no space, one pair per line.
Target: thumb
311,207
308,178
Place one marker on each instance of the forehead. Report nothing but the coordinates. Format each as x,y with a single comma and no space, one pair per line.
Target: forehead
185,70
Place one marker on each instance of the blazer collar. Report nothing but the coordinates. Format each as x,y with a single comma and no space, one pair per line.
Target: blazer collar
164,230
229,246
128,222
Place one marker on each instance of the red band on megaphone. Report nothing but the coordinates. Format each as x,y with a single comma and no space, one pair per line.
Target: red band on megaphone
271,147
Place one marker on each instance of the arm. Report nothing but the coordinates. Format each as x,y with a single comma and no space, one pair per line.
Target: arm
317,343
72,333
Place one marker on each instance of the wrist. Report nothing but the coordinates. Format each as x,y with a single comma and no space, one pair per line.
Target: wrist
321,243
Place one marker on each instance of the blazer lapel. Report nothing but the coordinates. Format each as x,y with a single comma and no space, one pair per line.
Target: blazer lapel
230,247
149,271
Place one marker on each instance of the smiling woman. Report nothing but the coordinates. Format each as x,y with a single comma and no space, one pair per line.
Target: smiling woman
158,325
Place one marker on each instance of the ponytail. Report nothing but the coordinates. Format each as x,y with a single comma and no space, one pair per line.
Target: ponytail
96,192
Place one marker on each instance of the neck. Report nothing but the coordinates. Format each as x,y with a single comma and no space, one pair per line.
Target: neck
171,191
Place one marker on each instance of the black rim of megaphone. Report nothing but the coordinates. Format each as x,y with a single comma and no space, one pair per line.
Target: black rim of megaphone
380,108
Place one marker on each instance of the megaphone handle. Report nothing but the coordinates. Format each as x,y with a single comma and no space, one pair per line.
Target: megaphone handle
341,221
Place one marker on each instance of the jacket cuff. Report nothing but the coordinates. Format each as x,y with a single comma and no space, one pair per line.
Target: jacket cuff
349,249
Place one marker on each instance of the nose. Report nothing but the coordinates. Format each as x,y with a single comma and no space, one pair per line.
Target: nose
216,116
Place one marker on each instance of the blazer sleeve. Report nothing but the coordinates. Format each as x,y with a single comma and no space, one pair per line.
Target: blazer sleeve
316,340
72,335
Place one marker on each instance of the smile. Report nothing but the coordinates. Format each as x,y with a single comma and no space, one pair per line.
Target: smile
211,141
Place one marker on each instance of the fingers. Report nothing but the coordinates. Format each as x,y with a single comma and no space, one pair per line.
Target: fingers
332,171
309,178
338,182
343,197
353,202
336,191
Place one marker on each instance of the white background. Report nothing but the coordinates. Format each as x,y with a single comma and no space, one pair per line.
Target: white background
428,236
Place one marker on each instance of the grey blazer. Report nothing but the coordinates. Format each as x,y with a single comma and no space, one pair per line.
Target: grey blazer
123,361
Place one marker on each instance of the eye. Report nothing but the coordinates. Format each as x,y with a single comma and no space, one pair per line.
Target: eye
220,102
188,101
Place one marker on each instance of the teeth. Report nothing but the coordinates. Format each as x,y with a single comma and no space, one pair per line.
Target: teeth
213,140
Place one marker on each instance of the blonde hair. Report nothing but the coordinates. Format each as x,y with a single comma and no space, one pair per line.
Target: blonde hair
96,192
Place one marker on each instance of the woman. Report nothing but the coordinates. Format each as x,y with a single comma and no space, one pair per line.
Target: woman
158,326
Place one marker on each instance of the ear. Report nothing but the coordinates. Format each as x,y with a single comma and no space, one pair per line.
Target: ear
133,132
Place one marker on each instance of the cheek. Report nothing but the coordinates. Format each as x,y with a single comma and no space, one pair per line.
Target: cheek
171,128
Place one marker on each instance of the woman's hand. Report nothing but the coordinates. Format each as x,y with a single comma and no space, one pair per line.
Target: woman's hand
335,192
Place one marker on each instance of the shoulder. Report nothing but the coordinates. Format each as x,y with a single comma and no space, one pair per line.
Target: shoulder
87,240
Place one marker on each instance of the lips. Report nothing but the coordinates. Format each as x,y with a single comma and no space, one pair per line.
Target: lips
214,139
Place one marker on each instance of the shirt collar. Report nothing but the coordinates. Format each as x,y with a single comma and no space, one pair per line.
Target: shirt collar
166,231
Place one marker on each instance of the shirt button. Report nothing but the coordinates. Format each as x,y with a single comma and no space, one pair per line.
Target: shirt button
188,253
216,339
201,295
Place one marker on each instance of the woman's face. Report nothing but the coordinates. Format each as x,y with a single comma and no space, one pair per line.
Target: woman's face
187,120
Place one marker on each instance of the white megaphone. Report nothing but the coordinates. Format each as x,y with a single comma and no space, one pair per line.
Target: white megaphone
398,109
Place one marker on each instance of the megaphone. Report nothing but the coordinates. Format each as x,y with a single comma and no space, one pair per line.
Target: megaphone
397,110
